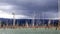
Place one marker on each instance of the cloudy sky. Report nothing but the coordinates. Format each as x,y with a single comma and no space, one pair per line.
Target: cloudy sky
28,8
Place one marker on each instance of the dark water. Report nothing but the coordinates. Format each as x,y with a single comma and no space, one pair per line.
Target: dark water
29,21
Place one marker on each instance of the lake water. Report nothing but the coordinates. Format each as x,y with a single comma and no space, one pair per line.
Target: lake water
29,31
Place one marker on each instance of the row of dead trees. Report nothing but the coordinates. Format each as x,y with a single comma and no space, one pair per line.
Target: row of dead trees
30,26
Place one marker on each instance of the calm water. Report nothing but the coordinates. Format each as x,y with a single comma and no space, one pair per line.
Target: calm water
29,31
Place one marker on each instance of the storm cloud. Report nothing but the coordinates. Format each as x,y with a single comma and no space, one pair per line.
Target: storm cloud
42,8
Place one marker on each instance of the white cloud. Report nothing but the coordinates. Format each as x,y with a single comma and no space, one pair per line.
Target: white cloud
4,15
10,16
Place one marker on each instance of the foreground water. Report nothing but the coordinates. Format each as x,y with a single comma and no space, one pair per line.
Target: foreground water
29,31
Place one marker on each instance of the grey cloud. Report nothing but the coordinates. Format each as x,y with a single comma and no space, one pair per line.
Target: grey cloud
27,7
34,4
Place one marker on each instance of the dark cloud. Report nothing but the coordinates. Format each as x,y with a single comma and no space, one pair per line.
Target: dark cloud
48,8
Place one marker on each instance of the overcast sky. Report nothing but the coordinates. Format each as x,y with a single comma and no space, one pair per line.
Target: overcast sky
26,8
